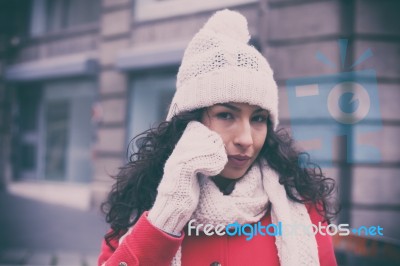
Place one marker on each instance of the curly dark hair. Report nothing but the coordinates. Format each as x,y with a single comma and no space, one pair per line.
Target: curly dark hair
136,183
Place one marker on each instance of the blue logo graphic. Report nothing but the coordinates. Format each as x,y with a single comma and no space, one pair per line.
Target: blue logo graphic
368,230
324,108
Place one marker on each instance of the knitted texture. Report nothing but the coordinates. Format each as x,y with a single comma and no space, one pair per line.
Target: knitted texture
248,204
299,248
219,66
199,150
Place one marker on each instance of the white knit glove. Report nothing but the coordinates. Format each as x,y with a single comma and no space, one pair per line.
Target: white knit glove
199,150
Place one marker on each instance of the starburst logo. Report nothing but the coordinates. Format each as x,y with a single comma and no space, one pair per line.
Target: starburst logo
323,108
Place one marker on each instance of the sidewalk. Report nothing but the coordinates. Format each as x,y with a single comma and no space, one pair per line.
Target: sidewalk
37,233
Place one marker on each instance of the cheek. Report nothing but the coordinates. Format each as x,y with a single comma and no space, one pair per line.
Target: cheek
217,126
223,133
259,139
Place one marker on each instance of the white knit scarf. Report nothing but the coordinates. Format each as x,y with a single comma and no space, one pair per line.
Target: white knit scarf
248,204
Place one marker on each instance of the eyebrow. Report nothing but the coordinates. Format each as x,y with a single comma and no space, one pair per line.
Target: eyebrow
237,109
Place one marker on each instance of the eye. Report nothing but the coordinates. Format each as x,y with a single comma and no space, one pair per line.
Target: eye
259,119
224,116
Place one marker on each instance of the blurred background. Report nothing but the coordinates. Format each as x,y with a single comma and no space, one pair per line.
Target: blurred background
79,79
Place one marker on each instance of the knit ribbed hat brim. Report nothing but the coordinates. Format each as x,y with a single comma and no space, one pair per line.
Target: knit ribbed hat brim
254,88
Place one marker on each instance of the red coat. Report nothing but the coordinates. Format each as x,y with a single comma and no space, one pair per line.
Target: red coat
148,245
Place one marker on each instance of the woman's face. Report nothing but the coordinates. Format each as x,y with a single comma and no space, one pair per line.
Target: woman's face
243,129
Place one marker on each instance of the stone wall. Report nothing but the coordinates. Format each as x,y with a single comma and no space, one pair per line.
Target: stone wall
293,31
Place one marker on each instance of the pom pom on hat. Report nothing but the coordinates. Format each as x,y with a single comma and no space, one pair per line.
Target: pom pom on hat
219,66
229,23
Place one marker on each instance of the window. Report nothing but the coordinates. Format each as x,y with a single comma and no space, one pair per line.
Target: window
25,140
63,14
149,100
56,15
66,131
56,139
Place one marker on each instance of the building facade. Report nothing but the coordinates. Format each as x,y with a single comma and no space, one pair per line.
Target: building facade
88,76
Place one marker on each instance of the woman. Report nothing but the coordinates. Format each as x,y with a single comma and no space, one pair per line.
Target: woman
208,185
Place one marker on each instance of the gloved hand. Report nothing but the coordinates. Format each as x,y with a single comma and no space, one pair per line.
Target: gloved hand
199,150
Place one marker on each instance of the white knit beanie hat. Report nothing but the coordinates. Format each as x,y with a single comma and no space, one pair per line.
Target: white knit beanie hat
219,66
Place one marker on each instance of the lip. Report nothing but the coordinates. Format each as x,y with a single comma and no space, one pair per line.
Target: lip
238,160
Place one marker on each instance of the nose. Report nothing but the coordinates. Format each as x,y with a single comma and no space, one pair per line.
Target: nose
243,135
